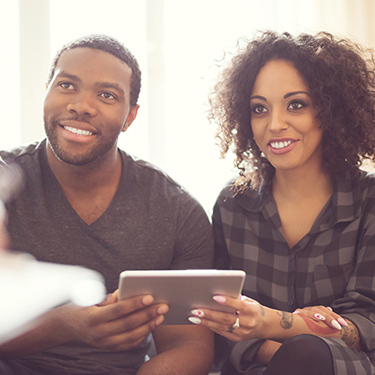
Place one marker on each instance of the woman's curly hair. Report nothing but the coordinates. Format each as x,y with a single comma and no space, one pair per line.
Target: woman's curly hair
341,78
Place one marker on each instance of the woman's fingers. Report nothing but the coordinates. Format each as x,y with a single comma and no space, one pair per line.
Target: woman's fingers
324,314
246,317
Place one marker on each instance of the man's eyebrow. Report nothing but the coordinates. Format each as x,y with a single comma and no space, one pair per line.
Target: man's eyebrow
64,74
107,85
295,93
258,97
110,85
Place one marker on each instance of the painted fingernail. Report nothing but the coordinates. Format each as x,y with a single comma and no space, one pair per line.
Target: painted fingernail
335,324
295,312
194,320
219,299
342,322
197,313
320,317
329,308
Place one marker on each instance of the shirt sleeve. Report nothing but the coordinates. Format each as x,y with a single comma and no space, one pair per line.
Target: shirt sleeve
194,238
358,302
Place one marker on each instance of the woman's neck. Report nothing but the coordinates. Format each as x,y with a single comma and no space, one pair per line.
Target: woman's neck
299,185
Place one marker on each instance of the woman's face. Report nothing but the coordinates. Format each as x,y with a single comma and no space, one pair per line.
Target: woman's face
283,118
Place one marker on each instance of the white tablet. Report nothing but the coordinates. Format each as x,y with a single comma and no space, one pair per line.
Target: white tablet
183,290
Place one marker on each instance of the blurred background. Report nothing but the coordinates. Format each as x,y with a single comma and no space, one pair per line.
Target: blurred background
178,44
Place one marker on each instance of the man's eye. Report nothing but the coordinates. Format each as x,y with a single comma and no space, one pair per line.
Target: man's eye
107,95
67,86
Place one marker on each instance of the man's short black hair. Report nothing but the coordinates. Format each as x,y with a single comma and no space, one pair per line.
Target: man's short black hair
110,45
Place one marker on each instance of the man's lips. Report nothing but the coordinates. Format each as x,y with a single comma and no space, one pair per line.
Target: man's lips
78,127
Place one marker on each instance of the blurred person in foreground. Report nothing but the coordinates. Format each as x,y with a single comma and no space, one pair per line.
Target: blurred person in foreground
299,113
86,202
4,237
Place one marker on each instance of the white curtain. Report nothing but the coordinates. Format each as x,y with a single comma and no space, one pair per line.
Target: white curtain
177,44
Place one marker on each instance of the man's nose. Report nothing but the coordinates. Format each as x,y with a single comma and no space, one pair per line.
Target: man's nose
83,104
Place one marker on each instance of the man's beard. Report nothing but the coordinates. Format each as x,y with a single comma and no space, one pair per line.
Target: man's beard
97,152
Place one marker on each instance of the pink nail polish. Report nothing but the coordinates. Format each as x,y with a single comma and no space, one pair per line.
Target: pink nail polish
197,313
219,299
342,322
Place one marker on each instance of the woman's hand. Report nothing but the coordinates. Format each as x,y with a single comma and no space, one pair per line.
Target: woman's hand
324,314
248,321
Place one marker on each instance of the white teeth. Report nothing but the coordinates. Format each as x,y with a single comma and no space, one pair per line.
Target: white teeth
77,131
280,144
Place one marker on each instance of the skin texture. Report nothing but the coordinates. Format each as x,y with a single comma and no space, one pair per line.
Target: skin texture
90,92
282,110
96,103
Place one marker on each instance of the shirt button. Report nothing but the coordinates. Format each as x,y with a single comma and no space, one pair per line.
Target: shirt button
291,302
291,257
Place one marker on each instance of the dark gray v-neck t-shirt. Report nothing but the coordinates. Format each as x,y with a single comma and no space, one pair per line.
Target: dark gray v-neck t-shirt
151,223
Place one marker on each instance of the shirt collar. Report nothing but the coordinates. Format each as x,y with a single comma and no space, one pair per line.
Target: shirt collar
345,203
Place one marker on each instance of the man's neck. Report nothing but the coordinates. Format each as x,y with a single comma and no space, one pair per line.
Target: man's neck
91,176
89,189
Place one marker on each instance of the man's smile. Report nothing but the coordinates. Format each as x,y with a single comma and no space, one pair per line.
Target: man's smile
77,131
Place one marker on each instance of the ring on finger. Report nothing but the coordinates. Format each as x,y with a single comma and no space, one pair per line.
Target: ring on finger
234,326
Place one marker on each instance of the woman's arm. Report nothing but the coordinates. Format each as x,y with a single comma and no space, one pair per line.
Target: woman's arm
259,322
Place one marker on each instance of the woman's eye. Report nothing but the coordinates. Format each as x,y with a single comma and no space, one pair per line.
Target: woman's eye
259,109
296,105
107,95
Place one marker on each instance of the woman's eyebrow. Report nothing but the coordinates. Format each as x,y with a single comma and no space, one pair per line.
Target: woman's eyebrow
258,97
295,93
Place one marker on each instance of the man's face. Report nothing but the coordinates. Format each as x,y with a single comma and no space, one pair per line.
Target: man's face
86,105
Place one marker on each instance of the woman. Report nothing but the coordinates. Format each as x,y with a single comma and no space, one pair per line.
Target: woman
300,219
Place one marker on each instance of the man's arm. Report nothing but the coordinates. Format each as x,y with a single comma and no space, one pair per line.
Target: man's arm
182,350
111,325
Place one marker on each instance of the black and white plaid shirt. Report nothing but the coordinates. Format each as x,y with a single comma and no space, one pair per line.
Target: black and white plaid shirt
333,265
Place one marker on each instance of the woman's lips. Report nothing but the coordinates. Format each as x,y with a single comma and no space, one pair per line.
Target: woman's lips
281,146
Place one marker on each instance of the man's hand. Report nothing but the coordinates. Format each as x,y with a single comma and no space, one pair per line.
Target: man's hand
116,325
112,324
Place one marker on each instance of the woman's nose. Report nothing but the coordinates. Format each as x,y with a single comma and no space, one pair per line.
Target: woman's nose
277,122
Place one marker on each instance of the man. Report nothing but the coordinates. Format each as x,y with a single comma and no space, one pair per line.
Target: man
86,202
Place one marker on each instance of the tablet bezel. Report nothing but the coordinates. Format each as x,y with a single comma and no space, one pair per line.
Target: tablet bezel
183,290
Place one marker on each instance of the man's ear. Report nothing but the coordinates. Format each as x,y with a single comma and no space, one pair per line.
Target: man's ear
131,117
